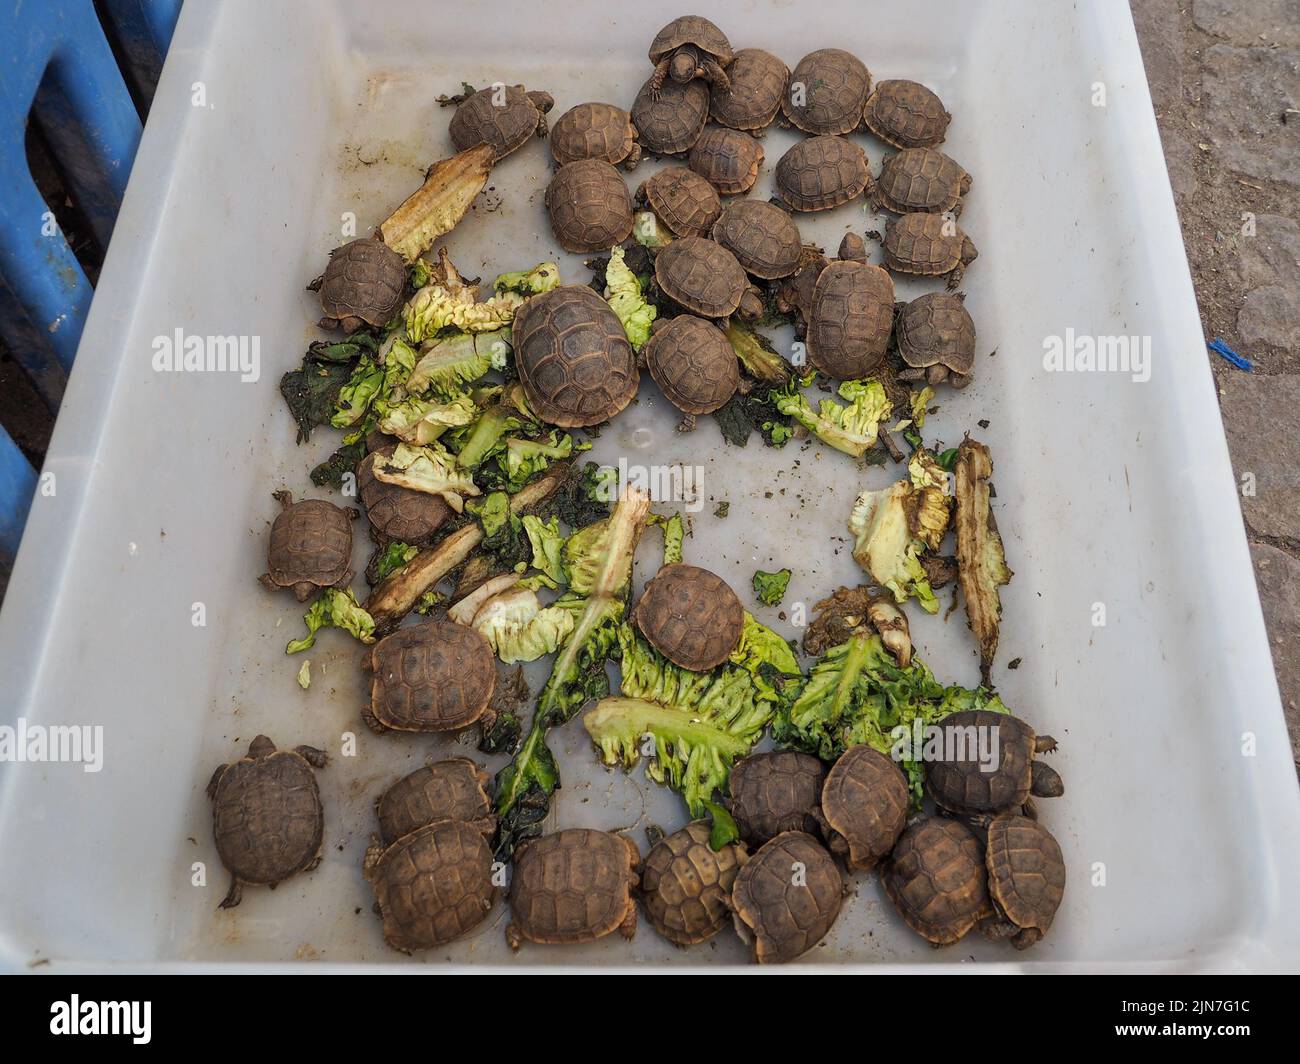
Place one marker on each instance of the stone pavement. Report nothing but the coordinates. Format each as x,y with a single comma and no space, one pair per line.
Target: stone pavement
1225,80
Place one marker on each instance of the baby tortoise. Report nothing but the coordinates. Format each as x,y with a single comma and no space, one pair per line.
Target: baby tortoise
311,546
596,131
775,792
936,879
362,285
930,245
684,201
693,363
690,47
786,897
502,117
396,513
919,179
431,886
762,236
961,783
430,677
573,886
864,803
852,314
936,339
758,82
267,815
690,616
1026,879
728,159
795,294
705,279
686,885
828,89
446,790
573,357
906,115
589,207
819,173
670,121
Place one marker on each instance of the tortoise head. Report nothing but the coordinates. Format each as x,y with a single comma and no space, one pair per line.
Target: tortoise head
684,67
261,747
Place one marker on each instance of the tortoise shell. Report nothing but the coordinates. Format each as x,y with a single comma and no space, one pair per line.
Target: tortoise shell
958,780
593,131
762,236
433,885
920,179
864,803
819,173
573,886
727,158
936,880
690,616
430,677
775,792
693,363
694,30
671,121
267,817
704,277
363,284
573,357
686,885
758,80
1026,875
936,329
927,244
398,513
852,318
786,915
796,291
683,200
589,206
834,86
311,546
906,115
478,120
445,790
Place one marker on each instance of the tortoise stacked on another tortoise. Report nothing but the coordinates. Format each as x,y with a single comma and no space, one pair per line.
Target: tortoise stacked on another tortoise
686,884
683,200
502,117
936,339
728,159
362,285
446,790
687,48
782,914
705,278
690,616
669,121
596,131
311,546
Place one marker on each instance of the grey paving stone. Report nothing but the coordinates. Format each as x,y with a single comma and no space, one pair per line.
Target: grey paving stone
1259,414
1278,577
1245,91
1271,315
1246,21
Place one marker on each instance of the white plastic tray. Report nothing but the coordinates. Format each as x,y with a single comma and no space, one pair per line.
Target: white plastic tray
1108,491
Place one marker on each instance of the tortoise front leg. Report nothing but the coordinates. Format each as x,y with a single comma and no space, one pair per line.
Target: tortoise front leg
658,78
715,75
1026,938
314,757
633,158
628,927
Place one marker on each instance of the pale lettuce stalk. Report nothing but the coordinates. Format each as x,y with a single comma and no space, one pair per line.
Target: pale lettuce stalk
541,278
421,421
518,628
428,469
446,365
623,292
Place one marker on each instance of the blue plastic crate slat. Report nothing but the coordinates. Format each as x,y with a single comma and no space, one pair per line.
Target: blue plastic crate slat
17,484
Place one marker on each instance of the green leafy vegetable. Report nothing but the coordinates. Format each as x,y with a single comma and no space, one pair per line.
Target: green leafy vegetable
428,469
674,532
334,608
446,365
304,675
853,429
312,391
623,292
392,558
421,421
757,355
770,587
769,660
518,628
541,278
649,231
547,543
344,460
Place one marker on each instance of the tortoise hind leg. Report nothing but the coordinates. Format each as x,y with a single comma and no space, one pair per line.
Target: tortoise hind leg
1044,744
216,779
234,895
1045,781
628,927
997,929
314,757
1026,937
514,937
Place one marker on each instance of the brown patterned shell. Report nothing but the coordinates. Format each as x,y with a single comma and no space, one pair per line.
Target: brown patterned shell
311,546
852,317
835,85
758,80
399,513
445,790
927,244
365,279
672,123
686,885
819,173
693,363
704,277
691,29
906,114
267,815
573,357
683,200
431,677
1026,873
728,159
572,886
690,616
864,802
959,783
936,329
593,131
504,129
787,915
589,206
433,885
775,792
921,179
936,880
762,236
